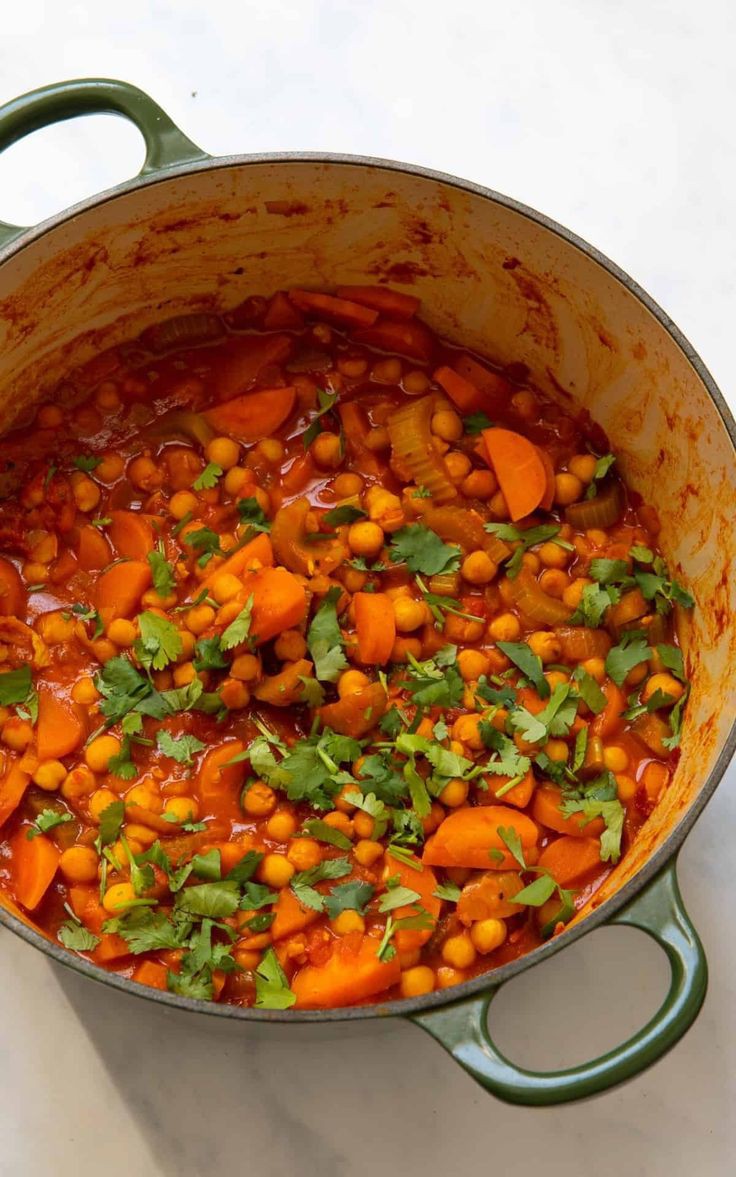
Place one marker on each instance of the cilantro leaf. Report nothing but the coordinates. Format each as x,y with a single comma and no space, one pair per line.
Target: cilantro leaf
676,715
538,892
76,937
322,832
327,401
207,480
423,551
589,691
352,896
145,930
435,682
622,659
303,882
448,891
593,605
15,686
182,748
252,513
529,663
671,658
559,714
208,866
272,987
512,842
374,807
111,822
160,641
609,571
244,870
164,580
215,900
325,640
475,423
397,896
344,514
206,542
255,895
48,819
86,462
208,655
238,630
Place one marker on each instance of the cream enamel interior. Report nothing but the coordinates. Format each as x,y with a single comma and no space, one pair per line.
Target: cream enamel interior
487,275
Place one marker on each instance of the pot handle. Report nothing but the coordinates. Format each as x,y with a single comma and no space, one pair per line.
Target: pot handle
462,1028
166,145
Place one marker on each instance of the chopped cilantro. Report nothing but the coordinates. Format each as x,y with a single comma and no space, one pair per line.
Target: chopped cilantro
251,512
325,640
303,882
631,651
352,896
448,891
15,686
86,462
529,663
238,630
164,580
207,480
475,423
345,514
314,827
76,937
423,551
111,822
160,641
47,820
272,987
206,542
182,748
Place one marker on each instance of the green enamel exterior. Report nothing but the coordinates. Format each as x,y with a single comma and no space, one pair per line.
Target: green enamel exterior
166,145
462,1027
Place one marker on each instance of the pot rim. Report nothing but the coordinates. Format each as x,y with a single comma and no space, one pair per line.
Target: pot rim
405,1007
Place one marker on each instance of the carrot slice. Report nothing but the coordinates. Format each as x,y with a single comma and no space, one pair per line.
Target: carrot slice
246,358
489,896
12,591
253,416
291,917
131,534
518,468
353,973
93,550
470,838
356,714
12,787
120,589
519,796
496,390
341,309
546,809
569,860
375,624
218,782
256,551
355,427
408,339
282,315
424,882
380,298
34,864
549,470
285,688
609,719
148,972
61,726
279,602
461,392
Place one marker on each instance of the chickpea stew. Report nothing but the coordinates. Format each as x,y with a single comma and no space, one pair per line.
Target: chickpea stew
338,664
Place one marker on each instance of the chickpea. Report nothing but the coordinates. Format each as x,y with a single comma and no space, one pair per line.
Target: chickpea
478,568
184,809
122,632
568,489
365,538
109,469
554,582
198,619
487,935
458,466
387,371
409,614
595,667
405,646
545,645
583,467
144,796
223,452
326,449
666,683
615,759
447,977
78,783
182,503
99,801
525,404
259,800
625,787
290,646
346,922
447,425
472,664
144,473
351,681
466,730
17,733
367,852
246,667
182,676
119,897
346,486
498,507
281,826
573,594
479,484
100,752
505,628
54,628
225,587
271,450
352,367
415,382
236,479
378,439
556,750
455,793
49,417
553,556
459,951
49,775
339,821
86,493
78,864
275,871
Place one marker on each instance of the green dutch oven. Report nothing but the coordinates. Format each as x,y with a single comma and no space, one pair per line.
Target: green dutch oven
192,233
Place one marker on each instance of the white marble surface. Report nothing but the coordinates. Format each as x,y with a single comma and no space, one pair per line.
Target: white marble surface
617,120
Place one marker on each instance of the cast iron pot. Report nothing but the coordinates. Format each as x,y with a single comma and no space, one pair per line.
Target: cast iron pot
193,233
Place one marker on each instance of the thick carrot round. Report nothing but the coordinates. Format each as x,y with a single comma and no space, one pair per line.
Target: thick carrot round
408,339
381,298
12,787
424,882
609,719
340,309
518,795
282,315
120,589
93,550
519,469
131,534
246,357
470,838
218,783
569,860
546,809
375,624
12,591
253,416
258,551
461,392
549,494
61,726
489,896
279,602
148,972
496,390
356,714
291,916
33,866
353,973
